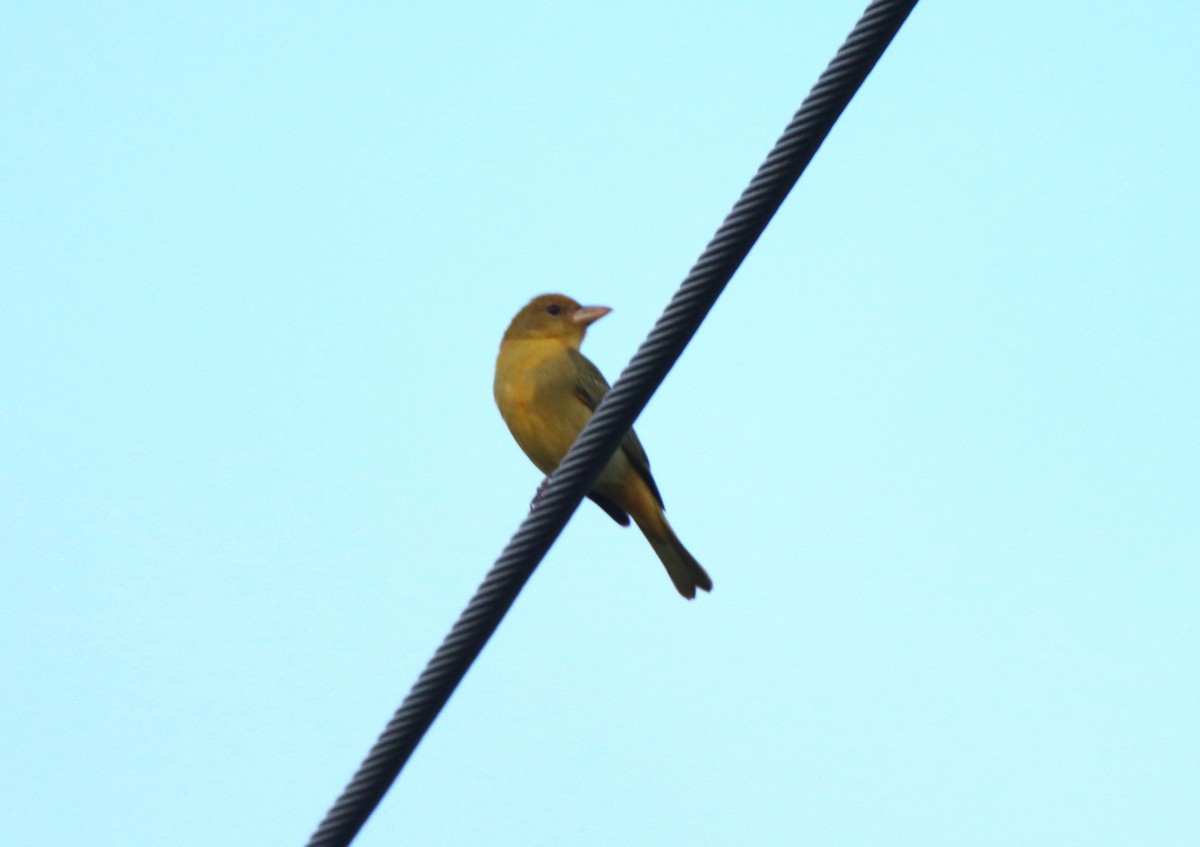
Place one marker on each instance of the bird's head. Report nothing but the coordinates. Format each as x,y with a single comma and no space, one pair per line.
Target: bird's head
554,316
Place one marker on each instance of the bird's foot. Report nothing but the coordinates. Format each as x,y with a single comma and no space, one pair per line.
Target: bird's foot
541,490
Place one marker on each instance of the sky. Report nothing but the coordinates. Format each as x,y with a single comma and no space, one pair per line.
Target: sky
937,443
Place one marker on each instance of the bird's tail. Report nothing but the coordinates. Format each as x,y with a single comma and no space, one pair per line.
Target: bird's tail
682,567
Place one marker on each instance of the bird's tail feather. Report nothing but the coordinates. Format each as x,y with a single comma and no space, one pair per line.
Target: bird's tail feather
682,567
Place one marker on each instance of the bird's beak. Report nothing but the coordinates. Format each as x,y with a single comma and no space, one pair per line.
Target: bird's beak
585,316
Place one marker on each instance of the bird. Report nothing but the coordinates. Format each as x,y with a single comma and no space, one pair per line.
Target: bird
547,390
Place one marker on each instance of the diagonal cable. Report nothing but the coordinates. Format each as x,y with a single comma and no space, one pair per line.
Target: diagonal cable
614,417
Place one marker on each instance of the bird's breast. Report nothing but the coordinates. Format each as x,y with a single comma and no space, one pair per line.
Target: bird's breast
532,390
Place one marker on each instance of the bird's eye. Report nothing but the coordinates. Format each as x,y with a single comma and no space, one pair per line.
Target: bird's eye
554,309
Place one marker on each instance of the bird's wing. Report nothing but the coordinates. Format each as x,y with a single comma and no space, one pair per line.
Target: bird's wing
590,388
610,508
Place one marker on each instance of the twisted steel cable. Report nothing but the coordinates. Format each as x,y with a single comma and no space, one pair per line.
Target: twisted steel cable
614,417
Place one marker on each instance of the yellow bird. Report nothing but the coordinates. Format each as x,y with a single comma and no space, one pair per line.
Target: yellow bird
547,390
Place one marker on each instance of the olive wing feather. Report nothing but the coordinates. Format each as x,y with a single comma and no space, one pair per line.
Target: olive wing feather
590,388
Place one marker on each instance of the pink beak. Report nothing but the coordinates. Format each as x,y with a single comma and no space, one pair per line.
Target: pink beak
585,316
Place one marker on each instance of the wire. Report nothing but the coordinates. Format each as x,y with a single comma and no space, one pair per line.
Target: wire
614,417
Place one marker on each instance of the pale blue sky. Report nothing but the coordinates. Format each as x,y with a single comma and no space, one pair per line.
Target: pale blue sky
937,444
